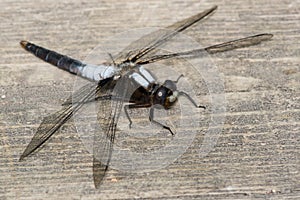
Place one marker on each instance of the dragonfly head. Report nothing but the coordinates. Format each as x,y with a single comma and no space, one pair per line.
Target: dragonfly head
166,95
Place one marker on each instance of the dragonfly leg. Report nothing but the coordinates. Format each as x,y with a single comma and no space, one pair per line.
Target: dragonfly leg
151,118
126,107
191,100
134,106
179,77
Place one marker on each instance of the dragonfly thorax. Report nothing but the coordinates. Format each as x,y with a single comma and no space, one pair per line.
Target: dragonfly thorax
126,66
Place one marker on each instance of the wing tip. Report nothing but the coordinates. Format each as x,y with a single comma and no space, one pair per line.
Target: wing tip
211,10
96,184
269,35
22,157
214,7
26,153
266,36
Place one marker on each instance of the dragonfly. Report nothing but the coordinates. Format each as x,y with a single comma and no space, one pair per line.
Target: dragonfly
126,69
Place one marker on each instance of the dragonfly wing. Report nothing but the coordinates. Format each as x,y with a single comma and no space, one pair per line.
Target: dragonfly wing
48,127
108,115
234,44
103,148
151,41
99,171
239,43
79,94
53,122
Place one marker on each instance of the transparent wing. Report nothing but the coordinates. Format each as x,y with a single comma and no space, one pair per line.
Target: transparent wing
234,44
150,42
53,122
47,128
81,93
108,115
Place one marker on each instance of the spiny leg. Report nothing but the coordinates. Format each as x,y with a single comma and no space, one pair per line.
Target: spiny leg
179,77
151,115
151,118
132,106
126,107
191,100
187,95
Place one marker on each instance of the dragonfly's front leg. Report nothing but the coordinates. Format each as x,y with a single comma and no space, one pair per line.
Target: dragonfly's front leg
181,93
151,118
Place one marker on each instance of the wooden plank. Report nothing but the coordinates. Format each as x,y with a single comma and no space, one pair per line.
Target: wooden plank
257,153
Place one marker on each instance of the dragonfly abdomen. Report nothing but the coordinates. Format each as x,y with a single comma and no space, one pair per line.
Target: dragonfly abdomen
61,61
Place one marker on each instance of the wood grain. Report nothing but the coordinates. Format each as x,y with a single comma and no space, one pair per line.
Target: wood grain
257,154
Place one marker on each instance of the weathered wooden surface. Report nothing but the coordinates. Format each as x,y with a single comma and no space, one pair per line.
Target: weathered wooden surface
257,154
